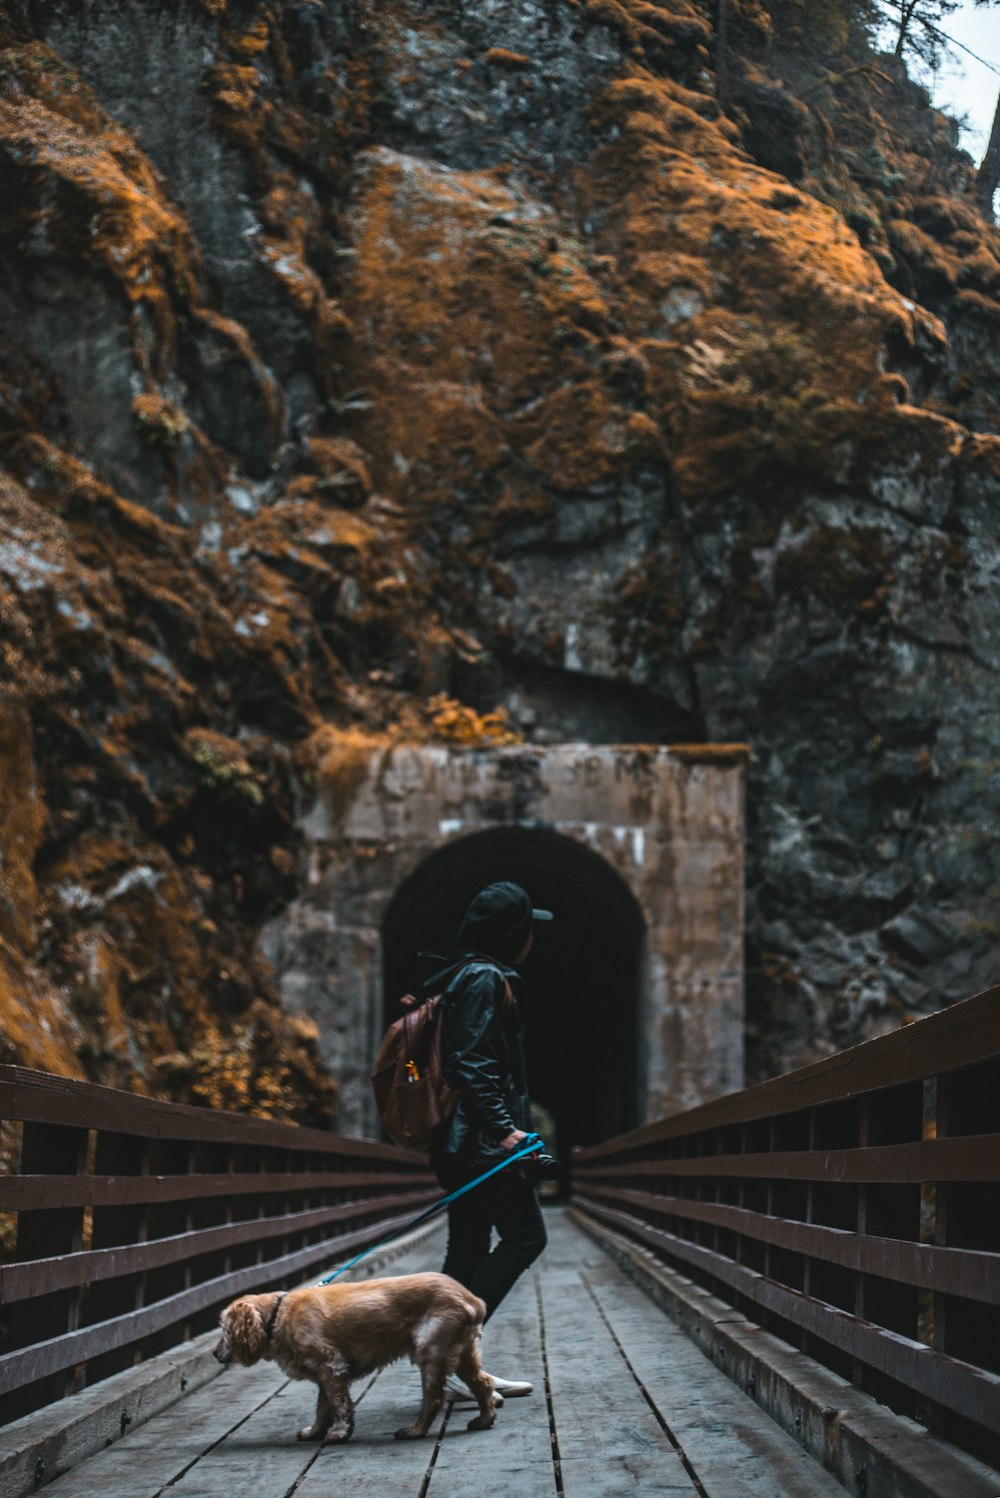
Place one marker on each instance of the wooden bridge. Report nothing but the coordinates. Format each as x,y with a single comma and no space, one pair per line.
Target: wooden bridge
793,1290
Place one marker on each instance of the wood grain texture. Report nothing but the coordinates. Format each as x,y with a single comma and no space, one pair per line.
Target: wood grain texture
731,1445
636,1409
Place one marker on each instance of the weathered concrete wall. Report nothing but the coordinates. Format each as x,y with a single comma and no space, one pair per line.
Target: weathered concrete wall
669,823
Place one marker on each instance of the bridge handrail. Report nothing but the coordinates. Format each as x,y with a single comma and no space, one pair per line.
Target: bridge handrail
851,1206
128,1221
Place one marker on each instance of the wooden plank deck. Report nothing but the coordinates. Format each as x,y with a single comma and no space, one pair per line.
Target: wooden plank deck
623,1403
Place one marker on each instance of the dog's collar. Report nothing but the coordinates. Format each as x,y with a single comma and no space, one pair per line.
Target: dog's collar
271,1322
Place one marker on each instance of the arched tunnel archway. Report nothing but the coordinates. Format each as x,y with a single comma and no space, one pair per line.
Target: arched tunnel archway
583,978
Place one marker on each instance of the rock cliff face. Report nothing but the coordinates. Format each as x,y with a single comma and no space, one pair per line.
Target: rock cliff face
356,352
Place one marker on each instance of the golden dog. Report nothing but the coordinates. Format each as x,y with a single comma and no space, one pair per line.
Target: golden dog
333,1334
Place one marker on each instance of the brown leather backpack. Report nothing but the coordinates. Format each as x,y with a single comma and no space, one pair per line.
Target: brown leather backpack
413,1098
411,1094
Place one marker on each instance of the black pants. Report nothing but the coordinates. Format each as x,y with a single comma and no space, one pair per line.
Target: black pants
506,1202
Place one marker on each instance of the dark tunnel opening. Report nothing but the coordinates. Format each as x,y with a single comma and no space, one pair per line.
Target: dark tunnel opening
582,980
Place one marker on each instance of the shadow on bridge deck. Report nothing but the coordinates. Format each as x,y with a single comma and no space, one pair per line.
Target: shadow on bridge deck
623,1403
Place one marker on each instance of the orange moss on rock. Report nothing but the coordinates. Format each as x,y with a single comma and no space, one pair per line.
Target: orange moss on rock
37,1027
656,33
161,419
290,147
149,980
758,328
783,332
615,433
979,456
341,468
134,943
290,222
444,720
711,754
125,223
22,822
235,87
504,58
78,180
260,1066
341,759
515,382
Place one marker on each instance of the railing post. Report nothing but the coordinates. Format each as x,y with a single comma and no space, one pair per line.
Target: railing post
857,1367
227,1216
260,1201
121,1155
208,1157
168,1157
939,1303
47,1149
806,1341
769,1208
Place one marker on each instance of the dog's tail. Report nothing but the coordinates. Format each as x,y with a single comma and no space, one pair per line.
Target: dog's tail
476,1309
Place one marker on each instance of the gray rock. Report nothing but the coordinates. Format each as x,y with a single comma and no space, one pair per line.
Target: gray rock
918,935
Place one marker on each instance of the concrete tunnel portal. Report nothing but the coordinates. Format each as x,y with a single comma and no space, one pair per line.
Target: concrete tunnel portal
633,995
582,988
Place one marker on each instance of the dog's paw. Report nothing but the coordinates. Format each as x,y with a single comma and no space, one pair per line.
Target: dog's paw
312,1433
338,1437
409,1433
481,1423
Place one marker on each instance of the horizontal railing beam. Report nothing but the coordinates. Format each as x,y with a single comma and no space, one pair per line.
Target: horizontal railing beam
58,1353
43,1192
39,1097
970,1158
42,1276
965,1035
950,1271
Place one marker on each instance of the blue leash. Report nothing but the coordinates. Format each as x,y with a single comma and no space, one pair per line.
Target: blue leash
532,1144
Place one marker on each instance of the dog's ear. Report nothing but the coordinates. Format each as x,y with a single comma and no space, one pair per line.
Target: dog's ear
243,1331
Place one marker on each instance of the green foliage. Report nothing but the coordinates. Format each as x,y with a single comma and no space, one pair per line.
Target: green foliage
826,30
917,26
221,767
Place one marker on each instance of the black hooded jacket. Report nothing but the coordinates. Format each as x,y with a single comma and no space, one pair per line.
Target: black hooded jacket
483,1046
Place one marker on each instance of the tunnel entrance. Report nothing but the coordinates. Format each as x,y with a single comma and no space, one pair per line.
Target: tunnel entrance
634,997
582,980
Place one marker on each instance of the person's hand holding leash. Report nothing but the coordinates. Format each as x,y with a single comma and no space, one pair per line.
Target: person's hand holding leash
536,1167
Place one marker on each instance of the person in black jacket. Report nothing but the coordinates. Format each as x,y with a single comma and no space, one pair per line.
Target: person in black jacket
483,1054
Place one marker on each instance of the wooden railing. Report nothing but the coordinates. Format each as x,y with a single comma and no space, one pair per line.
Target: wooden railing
130,1222
852,1207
